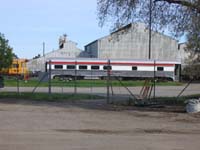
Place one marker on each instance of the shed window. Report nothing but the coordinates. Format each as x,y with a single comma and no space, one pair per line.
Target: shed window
83,67
107,67
70,66
134,67
160,68
58,66
95,67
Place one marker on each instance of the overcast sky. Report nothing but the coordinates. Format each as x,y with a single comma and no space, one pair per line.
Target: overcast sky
29,23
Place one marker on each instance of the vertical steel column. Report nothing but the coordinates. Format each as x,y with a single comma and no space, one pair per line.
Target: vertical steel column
108,81
150,22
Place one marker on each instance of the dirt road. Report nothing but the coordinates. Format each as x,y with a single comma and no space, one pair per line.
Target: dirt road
93,126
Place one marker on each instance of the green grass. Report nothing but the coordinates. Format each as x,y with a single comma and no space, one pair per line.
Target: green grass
46,97
82,83
176,101
160,102
57,97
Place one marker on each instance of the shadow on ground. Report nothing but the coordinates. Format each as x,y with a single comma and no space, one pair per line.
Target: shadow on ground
96,105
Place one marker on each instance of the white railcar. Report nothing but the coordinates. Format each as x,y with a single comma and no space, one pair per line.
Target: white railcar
125,69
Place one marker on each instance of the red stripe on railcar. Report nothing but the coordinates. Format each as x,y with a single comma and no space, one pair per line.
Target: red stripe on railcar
112,63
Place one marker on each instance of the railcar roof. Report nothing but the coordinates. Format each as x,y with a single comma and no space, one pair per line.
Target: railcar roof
115,60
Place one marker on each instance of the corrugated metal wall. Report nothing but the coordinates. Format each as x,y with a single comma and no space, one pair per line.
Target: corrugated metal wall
133,43
68,51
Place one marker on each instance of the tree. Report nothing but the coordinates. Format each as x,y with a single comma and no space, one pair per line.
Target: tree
15,56
179,17
193,35
5,53
174,15
192,70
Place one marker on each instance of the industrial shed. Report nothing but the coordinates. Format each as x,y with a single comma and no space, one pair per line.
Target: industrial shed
132,42
67,49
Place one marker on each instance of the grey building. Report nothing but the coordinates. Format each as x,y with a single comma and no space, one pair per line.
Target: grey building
132,42
67,49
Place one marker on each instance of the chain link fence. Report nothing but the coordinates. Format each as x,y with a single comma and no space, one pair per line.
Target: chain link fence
110,87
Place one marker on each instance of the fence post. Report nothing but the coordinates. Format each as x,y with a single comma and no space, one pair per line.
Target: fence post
75,78
108,81
49,77
154,80
17,77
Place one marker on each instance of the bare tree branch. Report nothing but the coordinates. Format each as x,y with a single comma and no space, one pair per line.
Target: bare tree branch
183,3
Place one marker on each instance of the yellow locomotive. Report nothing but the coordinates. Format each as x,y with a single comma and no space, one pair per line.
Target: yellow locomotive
18,68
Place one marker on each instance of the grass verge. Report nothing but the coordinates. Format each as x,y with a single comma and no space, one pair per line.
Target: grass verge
174,100
82,83
164,101
54,97
58,97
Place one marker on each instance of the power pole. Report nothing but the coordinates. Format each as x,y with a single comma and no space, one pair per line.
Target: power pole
150,22
43,45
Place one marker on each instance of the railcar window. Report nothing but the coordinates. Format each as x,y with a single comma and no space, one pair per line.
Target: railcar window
160,68
95,67
134,68
83,67
70,66
106,67
58,66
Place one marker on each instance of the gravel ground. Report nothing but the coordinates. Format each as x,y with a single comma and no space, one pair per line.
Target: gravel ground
31,125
